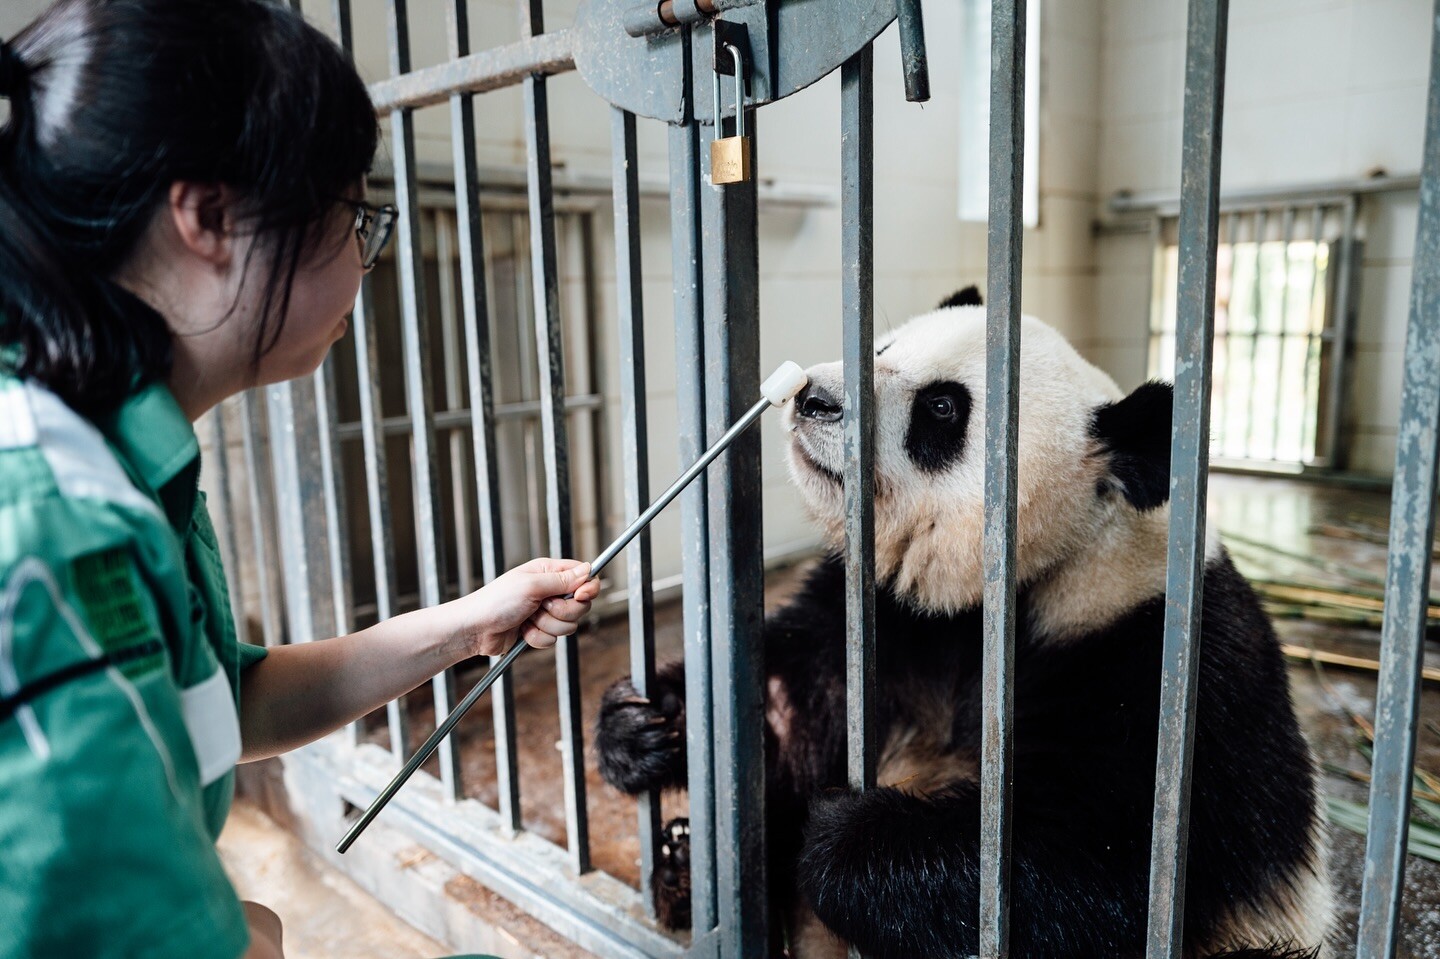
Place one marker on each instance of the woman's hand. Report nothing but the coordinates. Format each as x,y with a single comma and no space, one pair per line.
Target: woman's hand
527,602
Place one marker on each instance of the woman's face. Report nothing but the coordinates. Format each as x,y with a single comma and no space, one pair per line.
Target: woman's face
326,284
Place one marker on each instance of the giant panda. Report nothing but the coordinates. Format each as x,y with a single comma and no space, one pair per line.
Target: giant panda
894,870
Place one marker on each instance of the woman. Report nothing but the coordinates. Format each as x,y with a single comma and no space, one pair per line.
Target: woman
181,218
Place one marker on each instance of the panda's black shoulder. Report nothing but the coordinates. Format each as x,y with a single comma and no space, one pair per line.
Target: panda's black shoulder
818,605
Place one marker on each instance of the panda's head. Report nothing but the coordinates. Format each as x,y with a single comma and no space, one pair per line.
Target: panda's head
1093,475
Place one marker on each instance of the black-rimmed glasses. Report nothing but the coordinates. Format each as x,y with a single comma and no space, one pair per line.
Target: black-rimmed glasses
373,227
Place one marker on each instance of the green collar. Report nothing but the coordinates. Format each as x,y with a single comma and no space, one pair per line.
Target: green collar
157,443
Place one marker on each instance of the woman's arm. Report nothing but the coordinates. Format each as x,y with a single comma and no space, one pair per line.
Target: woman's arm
300,693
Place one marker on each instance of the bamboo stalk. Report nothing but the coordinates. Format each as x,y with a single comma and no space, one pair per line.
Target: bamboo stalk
1429,673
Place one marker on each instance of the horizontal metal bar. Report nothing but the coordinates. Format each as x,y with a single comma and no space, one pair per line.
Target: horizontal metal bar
460,419
1329,191
497,183
507,66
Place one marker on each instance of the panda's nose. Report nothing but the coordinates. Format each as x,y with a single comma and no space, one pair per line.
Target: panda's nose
817,403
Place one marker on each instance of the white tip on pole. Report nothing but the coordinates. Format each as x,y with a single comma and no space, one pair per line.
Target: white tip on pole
784,383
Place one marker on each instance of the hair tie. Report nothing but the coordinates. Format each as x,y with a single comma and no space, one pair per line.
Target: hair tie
13,71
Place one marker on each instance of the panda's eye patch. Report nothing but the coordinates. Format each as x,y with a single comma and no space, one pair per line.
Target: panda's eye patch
938,420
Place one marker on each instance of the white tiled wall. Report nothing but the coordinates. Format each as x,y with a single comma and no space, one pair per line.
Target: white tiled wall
1315,90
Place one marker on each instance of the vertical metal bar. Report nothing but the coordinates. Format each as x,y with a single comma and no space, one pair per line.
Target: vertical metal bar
635,444
553,428
1262,223
415,339
475,304
1282,333
1348,264
857,208
377,492
220,456
262,516
344,25
1002,407
334,481
1190,460
732,362
450,356
1412,529
337,534
1312,360
694,536
913,60
1219,437
301,532
367,357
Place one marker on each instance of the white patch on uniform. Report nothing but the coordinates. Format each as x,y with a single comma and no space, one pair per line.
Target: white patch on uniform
83,464
17,424
214,727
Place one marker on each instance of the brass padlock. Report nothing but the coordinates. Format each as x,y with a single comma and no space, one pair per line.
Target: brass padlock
730,156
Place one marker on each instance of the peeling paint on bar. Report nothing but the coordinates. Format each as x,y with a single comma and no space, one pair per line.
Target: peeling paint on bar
1412,528
1190,456
507,66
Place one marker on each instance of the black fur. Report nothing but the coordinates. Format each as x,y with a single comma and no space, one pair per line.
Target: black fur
671,881
970,296
640,740
1135,435
934,439
897,874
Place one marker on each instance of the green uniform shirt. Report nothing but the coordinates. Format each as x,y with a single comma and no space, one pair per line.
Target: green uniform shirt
119,680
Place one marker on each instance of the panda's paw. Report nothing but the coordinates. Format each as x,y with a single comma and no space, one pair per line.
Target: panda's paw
672,876
640,742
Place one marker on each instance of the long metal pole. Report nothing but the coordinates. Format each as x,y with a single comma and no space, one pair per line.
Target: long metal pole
498,670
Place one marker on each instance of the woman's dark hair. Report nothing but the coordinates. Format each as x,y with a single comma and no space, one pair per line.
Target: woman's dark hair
111,102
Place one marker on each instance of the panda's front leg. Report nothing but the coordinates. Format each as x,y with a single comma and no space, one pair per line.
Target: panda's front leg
640,740
898,875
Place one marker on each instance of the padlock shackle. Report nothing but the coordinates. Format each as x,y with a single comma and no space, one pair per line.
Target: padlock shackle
739,59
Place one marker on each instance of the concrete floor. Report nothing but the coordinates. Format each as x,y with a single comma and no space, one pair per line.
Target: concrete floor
325,915
1278,512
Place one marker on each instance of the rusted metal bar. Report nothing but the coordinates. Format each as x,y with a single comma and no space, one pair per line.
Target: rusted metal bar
507,66
1190,460
1002,410
546,288
1412,528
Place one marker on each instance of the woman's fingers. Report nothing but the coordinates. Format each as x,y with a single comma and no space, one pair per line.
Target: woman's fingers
552,625
569,610
537,637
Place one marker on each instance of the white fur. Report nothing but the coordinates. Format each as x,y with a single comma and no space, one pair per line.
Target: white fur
929,528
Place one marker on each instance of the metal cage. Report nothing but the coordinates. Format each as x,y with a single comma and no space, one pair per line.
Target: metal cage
305,559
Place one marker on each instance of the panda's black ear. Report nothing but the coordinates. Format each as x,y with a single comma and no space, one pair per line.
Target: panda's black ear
1134,436
970,296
